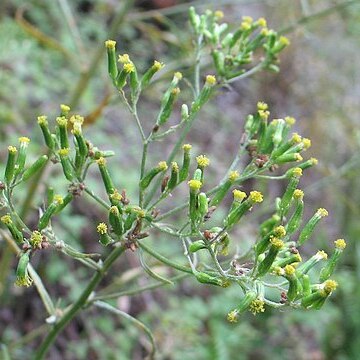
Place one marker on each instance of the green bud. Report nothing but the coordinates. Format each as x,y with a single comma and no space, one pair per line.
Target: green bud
196,246
62,127
22,276
14,231
148,177
249,297
330,266
194,19
308,229
208,279
49,212
10,164
116,220
174,177
219,61
21,158
35,167
108,183
184,172
66,164
296,218
265,265
167,109
289,192
44,126
157,66
203,206
67,199
111,55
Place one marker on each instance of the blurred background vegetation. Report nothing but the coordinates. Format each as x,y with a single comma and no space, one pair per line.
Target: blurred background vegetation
52,52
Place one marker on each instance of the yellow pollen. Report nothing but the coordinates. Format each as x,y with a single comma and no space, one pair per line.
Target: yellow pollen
129,67
162,166
233,175
110,44
24,140
194,184
306,142
322,254
256,196
101,228
322,212
298,194
124,59
330,286
279,231
262,106
340,244
202,161
64,152
157,65
42,120
12,149
239,195
257,306
187,147
210,80
289,270
6,219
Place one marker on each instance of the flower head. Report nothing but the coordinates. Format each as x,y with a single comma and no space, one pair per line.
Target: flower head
279,231
322,212
289,270
290,120
24,140
232,316
202,161
124,59
233,175
330,286
257,306
110,44
36,239
187,147
340,244
256,196
210,80
12,149
298,194
101,228
129,67
239,195
194,185
162,166
6,219
42,120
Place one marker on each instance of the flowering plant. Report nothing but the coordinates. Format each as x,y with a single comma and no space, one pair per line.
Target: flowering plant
275,261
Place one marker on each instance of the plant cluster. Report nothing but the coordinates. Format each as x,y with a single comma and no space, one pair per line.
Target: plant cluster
275,261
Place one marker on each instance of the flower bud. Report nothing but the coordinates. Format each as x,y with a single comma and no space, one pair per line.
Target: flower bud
111,55
21,158
308,229
44,126
289,192
49,212
224,188
35,167
62,126
116,220
105,239
66,164
15,232
184,172
146,180
157,66
329,268
10,164
22,276
265,265
108,183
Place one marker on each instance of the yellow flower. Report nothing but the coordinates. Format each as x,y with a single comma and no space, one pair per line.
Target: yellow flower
233,175
262,105
330,286
232,316
110,44
124,59
280,231
101,161
256,196
129,67
298,194
194,184
239,195
210,80
289,270
64,151
101,228
187,147
162,166
202,161
257,306
12,149
42,120
322,212
24,139
340,244
290,120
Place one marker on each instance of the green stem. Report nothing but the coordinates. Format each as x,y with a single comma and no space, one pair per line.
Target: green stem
79,303
163,259
138,290
97,199
139,324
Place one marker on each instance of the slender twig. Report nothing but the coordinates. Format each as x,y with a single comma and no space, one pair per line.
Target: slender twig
78,304
138,323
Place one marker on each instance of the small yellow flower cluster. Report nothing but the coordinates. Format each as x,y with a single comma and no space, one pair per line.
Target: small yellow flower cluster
257,306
